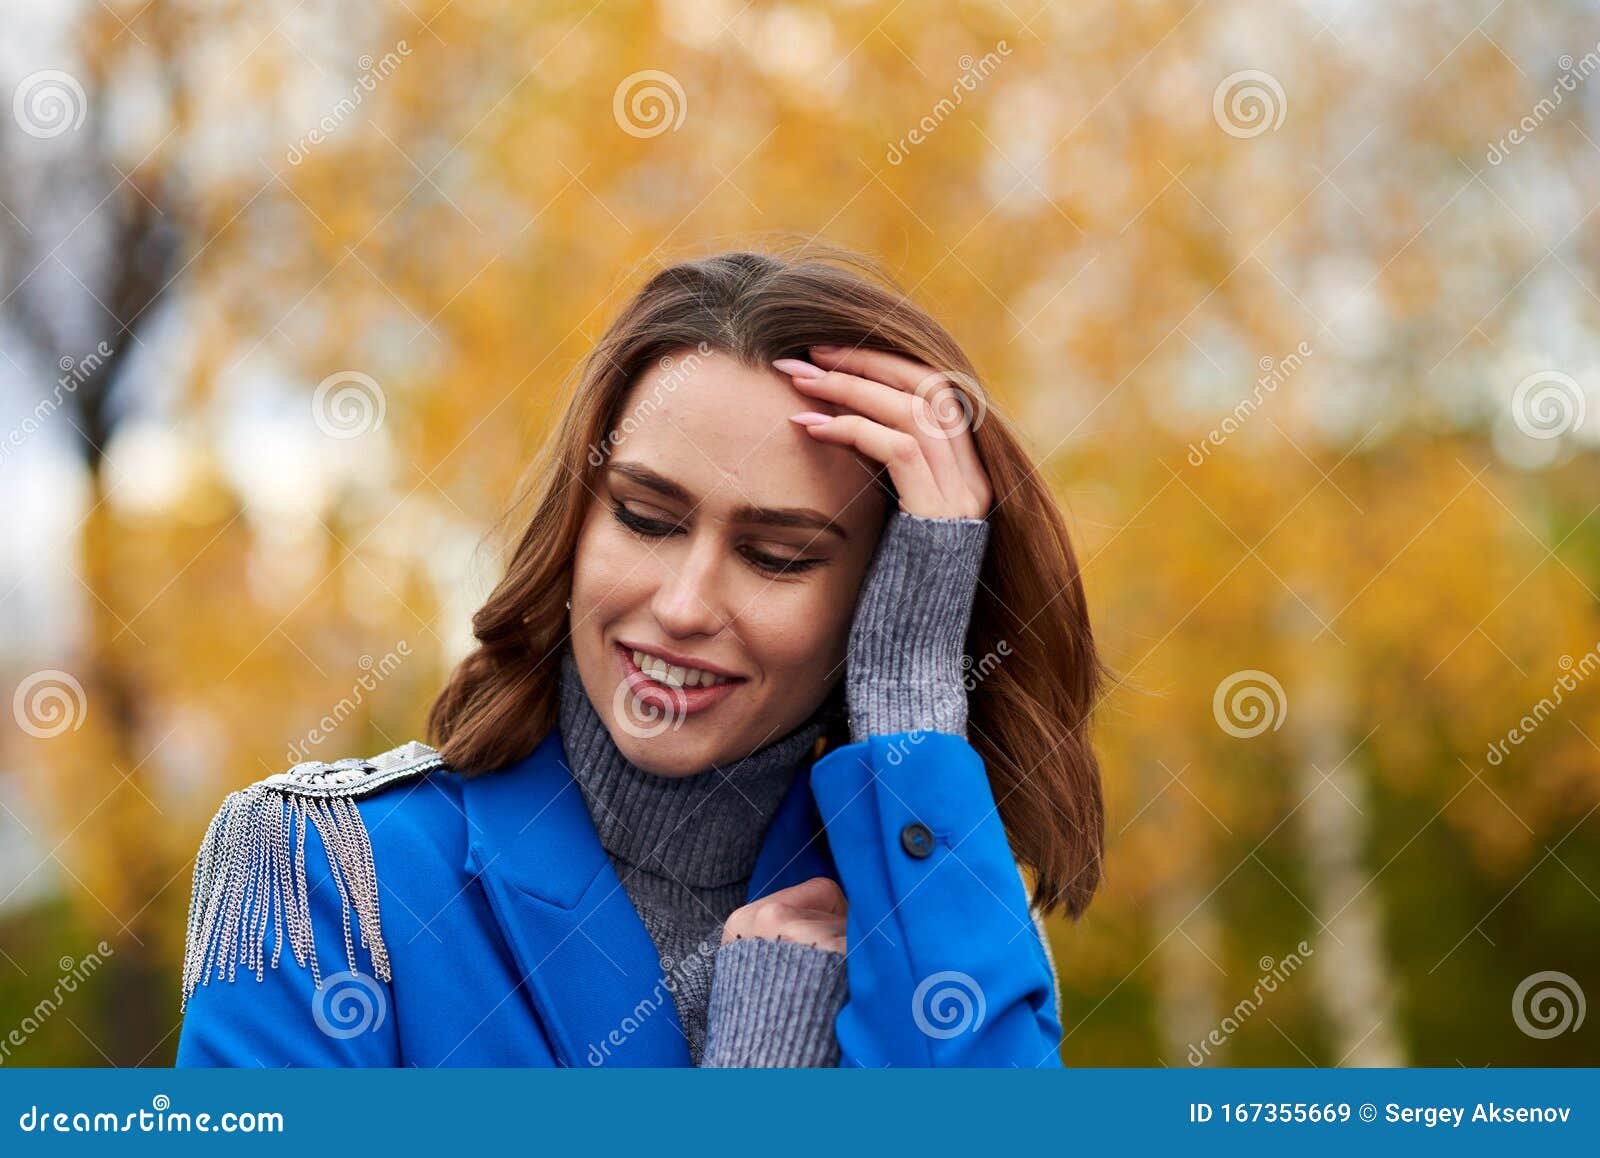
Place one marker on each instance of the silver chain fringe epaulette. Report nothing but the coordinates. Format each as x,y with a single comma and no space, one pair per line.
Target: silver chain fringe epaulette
245,876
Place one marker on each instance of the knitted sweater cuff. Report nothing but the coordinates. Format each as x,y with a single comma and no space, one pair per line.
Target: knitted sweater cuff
909,629
773,1004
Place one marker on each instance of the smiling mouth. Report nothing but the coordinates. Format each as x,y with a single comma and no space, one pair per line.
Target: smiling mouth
674,676
669,686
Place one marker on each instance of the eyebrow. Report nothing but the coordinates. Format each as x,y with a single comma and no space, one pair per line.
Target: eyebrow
800,517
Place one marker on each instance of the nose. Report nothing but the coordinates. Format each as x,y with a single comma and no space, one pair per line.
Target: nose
687,601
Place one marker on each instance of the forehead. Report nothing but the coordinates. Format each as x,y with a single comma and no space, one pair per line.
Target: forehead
721,429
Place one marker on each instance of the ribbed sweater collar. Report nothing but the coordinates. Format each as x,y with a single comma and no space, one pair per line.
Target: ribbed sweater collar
701,830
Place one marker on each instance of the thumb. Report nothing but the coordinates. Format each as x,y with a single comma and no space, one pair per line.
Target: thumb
819,893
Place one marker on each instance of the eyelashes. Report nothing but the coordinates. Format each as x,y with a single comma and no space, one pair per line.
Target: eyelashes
760,560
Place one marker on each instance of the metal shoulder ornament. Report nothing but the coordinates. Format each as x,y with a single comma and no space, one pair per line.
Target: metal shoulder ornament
247,875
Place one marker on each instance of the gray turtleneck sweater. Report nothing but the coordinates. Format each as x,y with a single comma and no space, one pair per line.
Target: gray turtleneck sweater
685,847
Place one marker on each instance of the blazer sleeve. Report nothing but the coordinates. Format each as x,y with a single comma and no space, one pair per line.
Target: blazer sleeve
945,965
284,1018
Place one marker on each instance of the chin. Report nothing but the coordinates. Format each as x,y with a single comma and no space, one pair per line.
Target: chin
664,755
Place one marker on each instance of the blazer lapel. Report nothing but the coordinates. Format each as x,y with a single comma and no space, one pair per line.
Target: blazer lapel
796,846
583,953
585,956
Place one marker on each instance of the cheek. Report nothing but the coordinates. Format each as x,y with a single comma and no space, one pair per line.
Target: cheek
799,630
612,569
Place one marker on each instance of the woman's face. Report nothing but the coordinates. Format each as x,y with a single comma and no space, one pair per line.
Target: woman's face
719,536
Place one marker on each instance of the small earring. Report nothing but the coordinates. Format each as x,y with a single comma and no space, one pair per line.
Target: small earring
569,605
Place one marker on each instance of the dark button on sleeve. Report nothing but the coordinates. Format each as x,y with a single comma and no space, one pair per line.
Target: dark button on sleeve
917,840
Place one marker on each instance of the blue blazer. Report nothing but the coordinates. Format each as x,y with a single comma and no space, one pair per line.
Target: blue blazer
512,942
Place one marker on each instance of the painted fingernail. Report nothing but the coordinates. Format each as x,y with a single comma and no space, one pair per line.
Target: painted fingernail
824,349
809,418
798,368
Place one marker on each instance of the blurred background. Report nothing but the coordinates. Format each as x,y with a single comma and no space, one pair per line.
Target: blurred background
1298,303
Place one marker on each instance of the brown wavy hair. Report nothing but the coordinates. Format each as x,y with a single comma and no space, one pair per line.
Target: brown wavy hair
1035,675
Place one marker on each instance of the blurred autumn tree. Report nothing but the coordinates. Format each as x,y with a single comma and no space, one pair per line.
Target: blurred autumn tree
1247,273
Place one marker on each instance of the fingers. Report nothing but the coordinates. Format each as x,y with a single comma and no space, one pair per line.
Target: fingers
822,933
812,912
899,410
917,409
775,921
821,893
955,414
913,479
937,387
780,922
901,373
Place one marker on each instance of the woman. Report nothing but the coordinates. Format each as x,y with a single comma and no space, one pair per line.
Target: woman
758,729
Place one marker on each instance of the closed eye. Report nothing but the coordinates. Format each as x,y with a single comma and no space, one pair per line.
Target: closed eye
761,560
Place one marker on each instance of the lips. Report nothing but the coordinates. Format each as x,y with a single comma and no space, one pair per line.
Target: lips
676,701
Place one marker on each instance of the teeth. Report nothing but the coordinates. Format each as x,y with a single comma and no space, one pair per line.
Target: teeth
673,676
